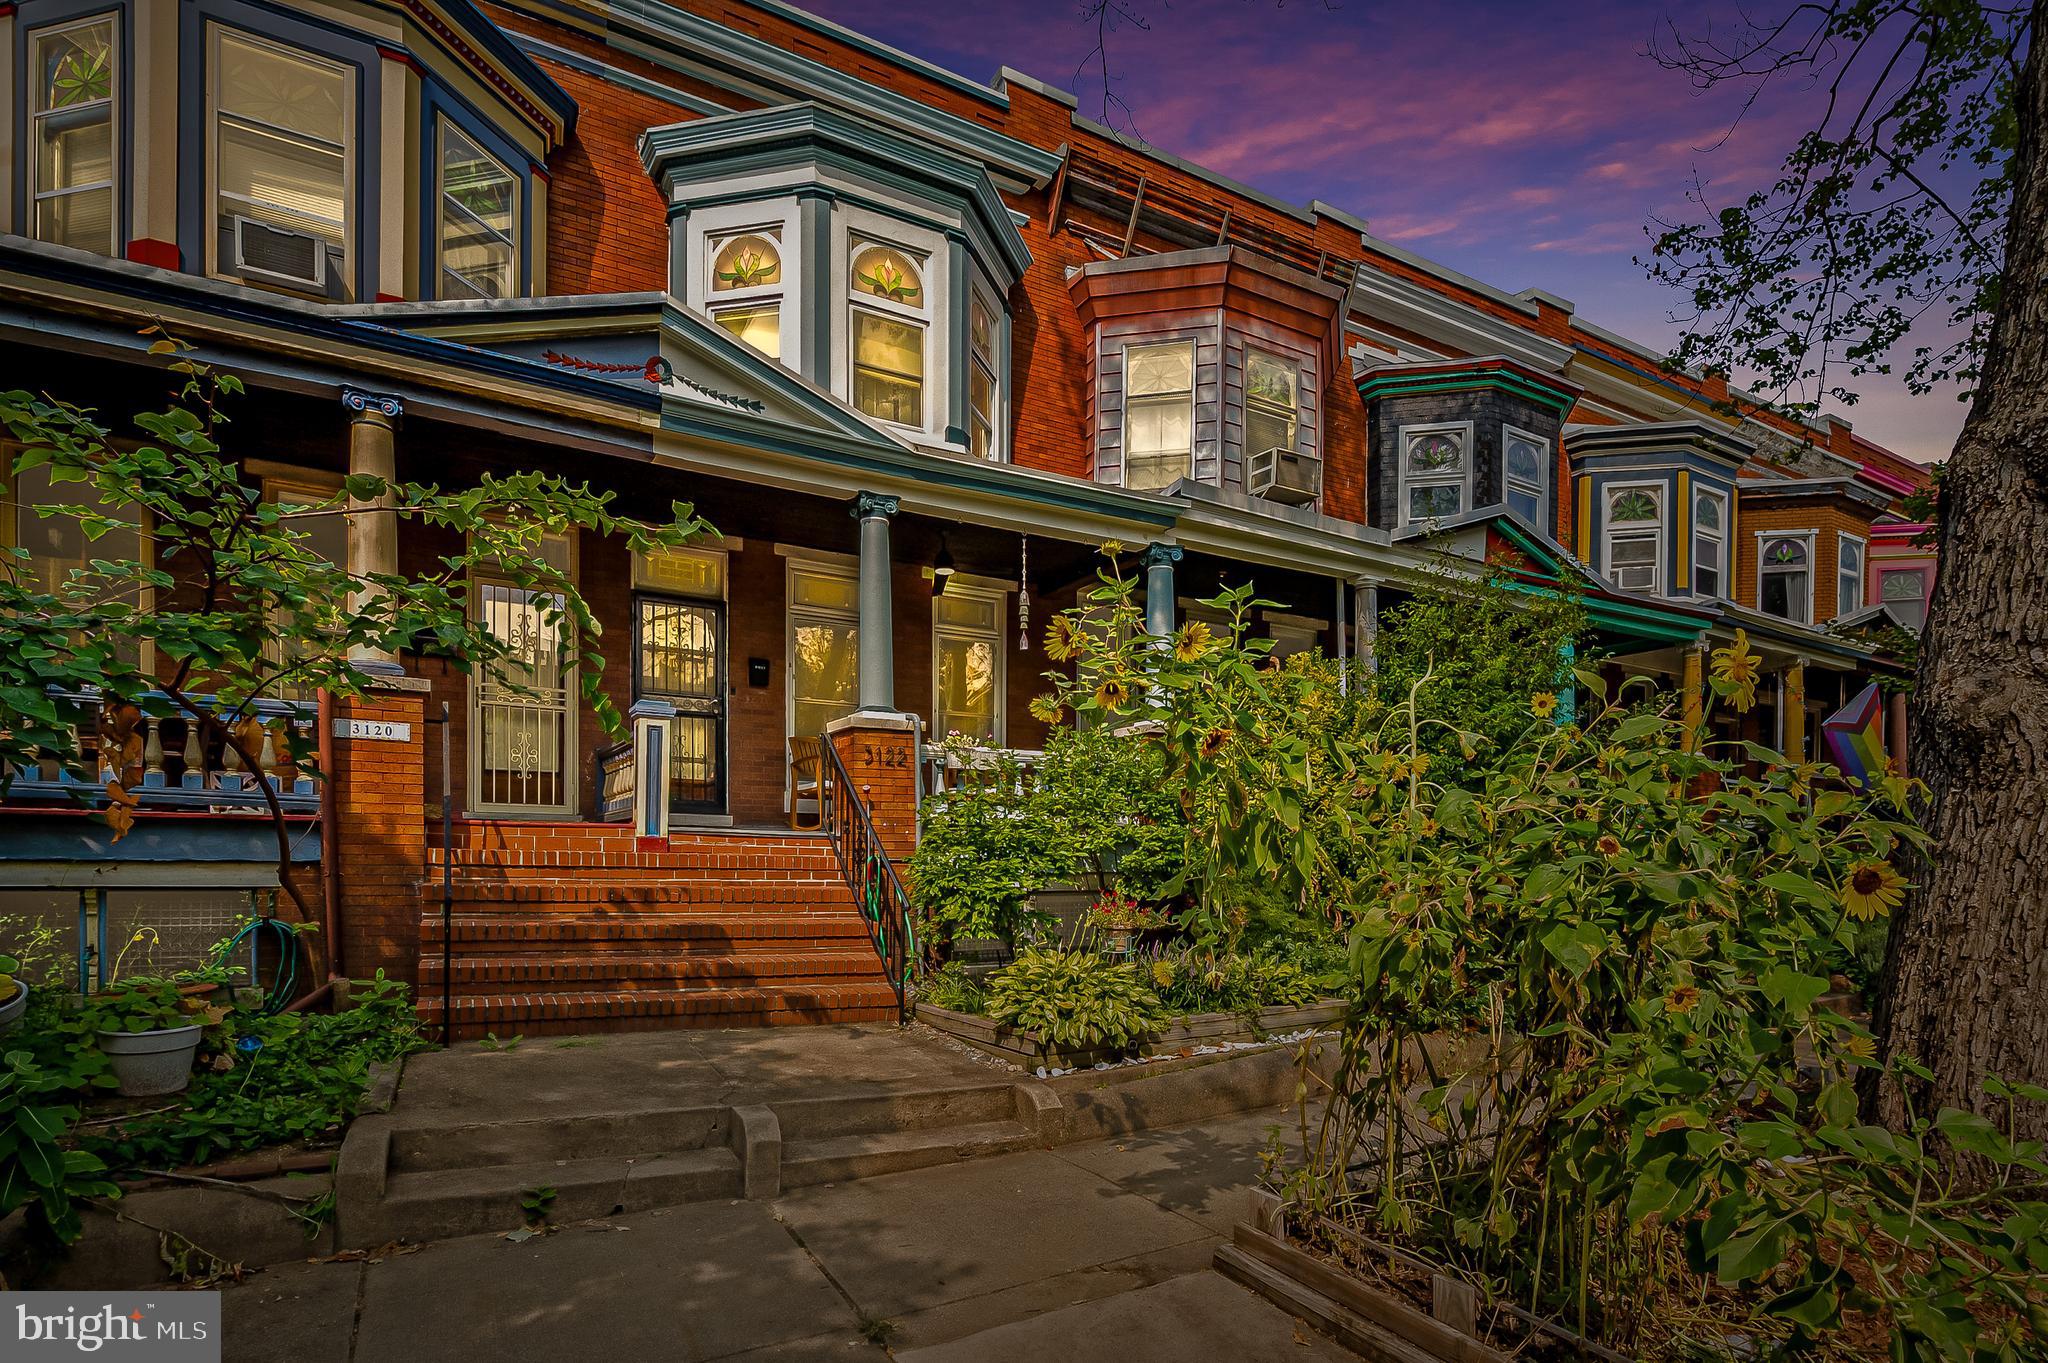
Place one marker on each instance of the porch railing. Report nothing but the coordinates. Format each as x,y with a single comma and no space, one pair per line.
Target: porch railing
161,753
864,861
943,768
617,781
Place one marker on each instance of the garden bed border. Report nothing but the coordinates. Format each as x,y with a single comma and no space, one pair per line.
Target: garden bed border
1029,1050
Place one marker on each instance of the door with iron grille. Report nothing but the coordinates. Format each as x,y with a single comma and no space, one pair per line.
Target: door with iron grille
679,657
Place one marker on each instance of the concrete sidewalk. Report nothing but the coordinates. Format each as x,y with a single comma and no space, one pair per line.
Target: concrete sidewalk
1089,1251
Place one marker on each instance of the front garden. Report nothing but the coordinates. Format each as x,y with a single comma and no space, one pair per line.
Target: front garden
1587,1080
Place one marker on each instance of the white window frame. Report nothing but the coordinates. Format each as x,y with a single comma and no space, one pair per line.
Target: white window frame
995,636
1854,601
38,193
1546,459
1660,493
442,281
993,367
350,252
1763,539
1403,482
1194,354
931,379
1719,537
1920,574
750,297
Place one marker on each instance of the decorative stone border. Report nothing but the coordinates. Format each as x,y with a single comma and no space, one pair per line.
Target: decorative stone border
1029,1050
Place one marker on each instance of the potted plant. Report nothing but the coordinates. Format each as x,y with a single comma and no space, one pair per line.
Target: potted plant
149,1030
13,994
1121,918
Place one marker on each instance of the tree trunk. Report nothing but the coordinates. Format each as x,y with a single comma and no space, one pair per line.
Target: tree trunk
1965,987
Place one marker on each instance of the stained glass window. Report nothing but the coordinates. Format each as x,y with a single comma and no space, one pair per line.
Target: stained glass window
73,139
1635,539
748,261
1785,585
885,272
1433,475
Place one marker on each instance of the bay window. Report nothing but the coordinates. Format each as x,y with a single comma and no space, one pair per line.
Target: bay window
1709,542
74,103
1635,538
891,315
283,121
1272,403
1525,460
746,288
1848,574
1159,415
1785,579
479,221
1435,472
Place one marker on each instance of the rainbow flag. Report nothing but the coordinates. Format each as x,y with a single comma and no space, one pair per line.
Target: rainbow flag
1855,736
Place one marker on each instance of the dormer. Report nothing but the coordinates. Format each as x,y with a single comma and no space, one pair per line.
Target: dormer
1451,437
1656,511
1210,365
878,267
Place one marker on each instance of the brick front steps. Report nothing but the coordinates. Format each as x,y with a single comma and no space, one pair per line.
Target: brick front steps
563,929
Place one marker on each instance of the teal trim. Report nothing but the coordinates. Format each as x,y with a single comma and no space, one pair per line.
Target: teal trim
1376,386
814,208
605,71
956,340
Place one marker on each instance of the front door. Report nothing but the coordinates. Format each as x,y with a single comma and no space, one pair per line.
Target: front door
679,657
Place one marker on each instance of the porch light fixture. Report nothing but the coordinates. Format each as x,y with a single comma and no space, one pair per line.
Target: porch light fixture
942,567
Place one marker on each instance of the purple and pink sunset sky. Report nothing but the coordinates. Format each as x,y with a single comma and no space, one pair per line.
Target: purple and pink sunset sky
1525,142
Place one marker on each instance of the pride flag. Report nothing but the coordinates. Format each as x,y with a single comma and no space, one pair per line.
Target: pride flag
1855,737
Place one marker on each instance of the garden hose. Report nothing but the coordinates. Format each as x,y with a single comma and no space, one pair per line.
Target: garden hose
285,986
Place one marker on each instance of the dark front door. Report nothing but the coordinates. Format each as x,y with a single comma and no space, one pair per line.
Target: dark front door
679,657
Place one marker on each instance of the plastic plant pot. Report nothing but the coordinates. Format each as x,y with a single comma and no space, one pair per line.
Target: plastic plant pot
150,1064
12,1008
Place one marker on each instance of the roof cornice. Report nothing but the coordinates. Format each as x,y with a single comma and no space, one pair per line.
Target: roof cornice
1484,371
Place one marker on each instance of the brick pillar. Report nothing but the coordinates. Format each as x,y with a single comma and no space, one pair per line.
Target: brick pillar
879,752
379,790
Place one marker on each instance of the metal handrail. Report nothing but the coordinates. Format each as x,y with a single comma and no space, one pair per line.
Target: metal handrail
865,864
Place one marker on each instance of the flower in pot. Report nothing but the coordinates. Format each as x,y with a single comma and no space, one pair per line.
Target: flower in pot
1121,918
149,1030
13,994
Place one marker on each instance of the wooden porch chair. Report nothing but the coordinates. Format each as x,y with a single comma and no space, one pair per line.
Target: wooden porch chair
806,780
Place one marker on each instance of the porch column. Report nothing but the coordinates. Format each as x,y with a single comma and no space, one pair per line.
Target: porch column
1365,606
1795,711
372,523
1693,699
877,692
1159,560
1895,709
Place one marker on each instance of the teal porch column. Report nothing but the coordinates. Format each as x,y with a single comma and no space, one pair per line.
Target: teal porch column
877,691
1159,560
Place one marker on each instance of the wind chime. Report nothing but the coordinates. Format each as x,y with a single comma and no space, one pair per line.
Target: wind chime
1023,593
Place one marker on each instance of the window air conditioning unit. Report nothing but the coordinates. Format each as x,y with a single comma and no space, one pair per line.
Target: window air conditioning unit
269,255
1281,475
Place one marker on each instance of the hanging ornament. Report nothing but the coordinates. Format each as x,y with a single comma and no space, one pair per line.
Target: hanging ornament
1024,593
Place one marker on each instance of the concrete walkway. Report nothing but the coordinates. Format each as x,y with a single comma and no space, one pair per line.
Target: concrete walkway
1099,1250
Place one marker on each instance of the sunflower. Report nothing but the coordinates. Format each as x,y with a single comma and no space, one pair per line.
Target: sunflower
1047,709
1113,694
1682,998
1420,764
1191,641
1874,889
1213,741
1427,828
1111,548
1543,704
1162,973
1609,845
1860,1045
1736,669
1061,641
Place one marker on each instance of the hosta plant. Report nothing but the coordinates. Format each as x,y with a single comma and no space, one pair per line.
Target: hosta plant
1073,999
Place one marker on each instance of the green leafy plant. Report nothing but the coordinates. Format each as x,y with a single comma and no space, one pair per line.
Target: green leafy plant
1195,980
537,1203
1073,998
37,1171
952,987
146,1004
10,967
980,856
493,1042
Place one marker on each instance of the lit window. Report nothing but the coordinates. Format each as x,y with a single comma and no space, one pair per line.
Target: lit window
967,664
1785,580
1433,469
479,221
1905,592
890,318
981,381
1272,403
1525,460
1635,535
746,286
1848,574
73,138
1709,542
280,148
1159,415
824,647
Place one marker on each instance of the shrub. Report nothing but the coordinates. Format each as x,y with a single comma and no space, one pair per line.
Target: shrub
36,1170
952,987
1194,980
980,858
1074,999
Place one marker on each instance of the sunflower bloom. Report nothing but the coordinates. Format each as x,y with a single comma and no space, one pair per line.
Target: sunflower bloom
1543,704
1113,694
1060,641
1682,998
1874,890
1737,670
1191,641
1213,741
1609,845
1047,709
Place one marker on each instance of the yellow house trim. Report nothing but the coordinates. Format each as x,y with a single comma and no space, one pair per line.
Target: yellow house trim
1681,526
1584,538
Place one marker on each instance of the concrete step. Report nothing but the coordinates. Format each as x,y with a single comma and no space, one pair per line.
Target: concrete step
443,1203
836,1159
924,1108
571,1012
584,970
585,1136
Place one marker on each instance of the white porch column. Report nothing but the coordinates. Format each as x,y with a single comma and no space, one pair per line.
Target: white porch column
372,523
1159,560
877,693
